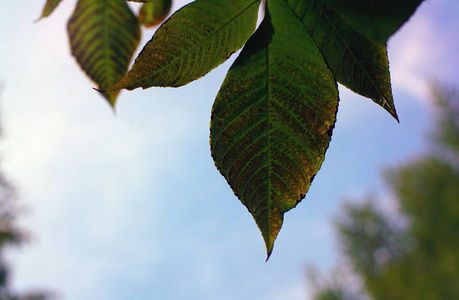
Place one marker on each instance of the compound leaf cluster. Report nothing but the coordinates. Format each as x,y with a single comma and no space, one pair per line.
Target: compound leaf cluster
273,117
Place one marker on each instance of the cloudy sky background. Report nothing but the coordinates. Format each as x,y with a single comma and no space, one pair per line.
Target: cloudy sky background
130,206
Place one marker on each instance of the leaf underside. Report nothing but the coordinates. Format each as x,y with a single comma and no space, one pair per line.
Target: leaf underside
356,61
376,19
192,42
273,117
103,36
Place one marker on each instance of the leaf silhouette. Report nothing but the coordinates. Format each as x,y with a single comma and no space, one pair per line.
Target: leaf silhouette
192,42
152,14
357,62
376,19
273,117
103,36
50,5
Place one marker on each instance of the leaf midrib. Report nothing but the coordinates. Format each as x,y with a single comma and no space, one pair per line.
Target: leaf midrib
268,135
105,29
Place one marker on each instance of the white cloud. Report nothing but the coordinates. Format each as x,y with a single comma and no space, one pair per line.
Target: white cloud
425,49
410,51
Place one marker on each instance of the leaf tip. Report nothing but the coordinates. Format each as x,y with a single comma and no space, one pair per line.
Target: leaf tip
396,117
269,243
112,103
389,106
110,97
393,113
268,255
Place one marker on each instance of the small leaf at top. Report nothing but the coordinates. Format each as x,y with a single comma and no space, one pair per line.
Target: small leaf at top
50,5
357,62
154,13
273,117
103,37
143,1
376,19
192,42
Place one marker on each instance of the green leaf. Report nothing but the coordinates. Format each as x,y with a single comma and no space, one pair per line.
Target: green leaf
357,62
154,13
103,37
49,8
376,19
273,117
143,1
192,42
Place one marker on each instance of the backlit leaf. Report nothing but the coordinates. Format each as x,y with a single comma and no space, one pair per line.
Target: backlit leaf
357,62
103,37
376,19
192,42
154,13
143,1
50,5
273,117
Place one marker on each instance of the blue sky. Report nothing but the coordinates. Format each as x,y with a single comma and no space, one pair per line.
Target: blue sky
130,206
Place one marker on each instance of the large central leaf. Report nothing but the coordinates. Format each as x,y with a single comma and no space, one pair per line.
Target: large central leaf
273,117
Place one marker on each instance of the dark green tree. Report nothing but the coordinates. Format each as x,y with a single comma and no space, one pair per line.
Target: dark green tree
414,255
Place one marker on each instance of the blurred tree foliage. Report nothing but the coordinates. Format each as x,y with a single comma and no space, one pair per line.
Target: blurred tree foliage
414,255
11,235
